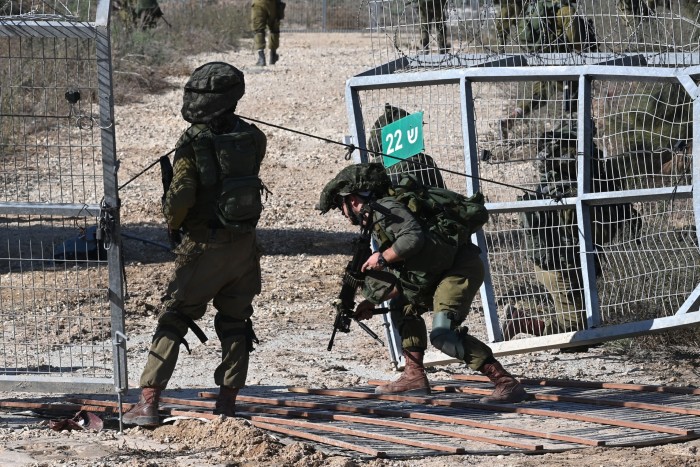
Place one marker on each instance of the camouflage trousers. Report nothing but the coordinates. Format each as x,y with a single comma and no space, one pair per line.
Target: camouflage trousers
224,268
508,14
566,291
264,16
454,294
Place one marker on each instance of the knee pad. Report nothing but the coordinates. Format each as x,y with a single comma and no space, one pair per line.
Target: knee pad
445,338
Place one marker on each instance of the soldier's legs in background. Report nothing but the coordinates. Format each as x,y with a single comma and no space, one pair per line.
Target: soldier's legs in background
258,23
274,40
424,25
441,28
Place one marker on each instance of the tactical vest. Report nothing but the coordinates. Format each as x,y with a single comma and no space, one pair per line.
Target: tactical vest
231,162
541,31
551,237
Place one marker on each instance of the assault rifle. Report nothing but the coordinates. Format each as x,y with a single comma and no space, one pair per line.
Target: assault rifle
353,278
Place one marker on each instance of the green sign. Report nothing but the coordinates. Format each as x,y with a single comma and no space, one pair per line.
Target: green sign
402,139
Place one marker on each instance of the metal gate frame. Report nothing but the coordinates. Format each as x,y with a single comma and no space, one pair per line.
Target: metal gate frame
398,74
97,31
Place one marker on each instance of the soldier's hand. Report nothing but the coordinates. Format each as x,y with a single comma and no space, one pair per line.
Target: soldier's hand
364,310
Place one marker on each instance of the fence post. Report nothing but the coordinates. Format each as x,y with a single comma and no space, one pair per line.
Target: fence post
324,12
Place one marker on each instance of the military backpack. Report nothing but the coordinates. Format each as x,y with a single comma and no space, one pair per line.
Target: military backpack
441,211
233,161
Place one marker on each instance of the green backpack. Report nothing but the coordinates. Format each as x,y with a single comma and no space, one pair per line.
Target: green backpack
446,213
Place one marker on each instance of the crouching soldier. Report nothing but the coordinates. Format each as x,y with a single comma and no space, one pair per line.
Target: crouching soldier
430,274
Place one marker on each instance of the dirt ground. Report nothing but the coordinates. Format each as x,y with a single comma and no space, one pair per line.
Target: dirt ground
304,254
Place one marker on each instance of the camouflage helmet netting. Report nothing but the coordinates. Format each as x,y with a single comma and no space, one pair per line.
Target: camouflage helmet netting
213,89
356,178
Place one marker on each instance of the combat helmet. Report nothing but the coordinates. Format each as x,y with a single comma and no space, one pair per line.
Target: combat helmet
369,179
213,89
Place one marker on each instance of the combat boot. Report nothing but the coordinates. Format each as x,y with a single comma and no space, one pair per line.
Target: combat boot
273,56
226,402
517,321
261,58
508,389
412,381
145,412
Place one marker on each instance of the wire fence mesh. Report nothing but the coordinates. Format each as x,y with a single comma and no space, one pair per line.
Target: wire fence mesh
56,267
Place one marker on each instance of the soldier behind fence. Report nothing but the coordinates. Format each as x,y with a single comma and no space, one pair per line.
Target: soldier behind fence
551,237
432,16
215,197
551,27
508,14
143,14
267,14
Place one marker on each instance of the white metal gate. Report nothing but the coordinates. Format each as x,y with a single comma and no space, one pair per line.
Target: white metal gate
61,284
635,97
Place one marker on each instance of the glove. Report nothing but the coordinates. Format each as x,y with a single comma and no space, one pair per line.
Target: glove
364,310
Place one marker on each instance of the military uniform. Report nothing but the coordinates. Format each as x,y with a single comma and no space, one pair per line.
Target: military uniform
266,14
551,27
509,12
433,273
216,166
432,15
552,239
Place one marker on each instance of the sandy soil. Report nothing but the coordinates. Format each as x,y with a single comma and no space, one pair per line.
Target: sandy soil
304,254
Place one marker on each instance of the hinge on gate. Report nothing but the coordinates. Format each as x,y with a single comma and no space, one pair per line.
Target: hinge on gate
105,225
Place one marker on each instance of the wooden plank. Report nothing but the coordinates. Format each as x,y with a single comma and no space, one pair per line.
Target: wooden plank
359,434
565,383
391,424
414,415
511,408
320,439
582,400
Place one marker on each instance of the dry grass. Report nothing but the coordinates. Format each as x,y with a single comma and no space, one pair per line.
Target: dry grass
143,58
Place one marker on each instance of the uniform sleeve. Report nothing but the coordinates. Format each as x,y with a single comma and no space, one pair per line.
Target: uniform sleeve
403,228
260,142
182,193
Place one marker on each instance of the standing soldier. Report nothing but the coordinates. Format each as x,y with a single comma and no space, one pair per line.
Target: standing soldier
432,15
431,273
267,14
215,197
551,27
508,14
